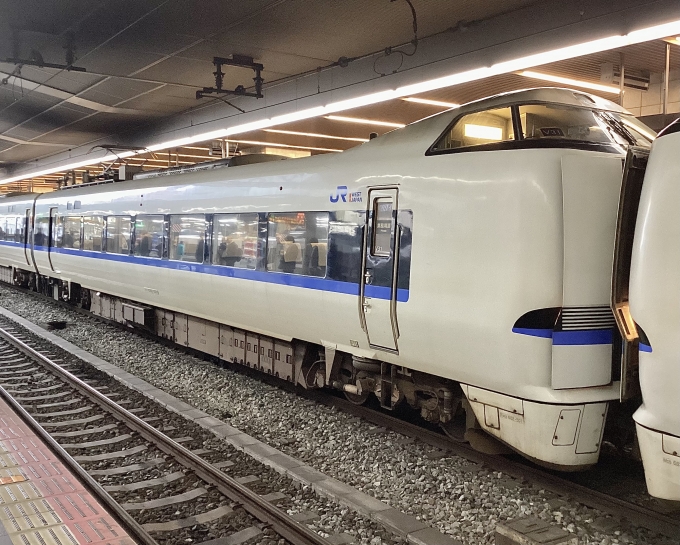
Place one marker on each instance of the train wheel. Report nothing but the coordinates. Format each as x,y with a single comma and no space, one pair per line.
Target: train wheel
455,429
350,378
357,399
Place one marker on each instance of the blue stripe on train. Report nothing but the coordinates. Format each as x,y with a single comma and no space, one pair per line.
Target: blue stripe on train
571,337
272,277
645,347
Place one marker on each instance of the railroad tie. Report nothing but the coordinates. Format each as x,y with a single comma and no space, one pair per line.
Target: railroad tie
42,397
79,410
86,431
74,422
18,366
34,390
237,538
58,404
110,455
167,479
203,518
164,502
98,443
122,470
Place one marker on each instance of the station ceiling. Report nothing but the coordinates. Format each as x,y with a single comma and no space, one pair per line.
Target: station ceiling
144,60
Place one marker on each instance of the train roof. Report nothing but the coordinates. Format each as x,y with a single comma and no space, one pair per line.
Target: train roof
416,137
544,94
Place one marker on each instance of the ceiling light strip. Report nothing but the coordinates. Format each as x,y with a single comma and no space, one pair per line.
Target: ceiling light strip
365,121
521,63
570,81
317,135
431,102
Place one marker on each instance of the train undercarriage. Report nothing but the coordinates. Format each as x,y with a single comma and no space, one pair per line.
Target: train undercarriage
439,401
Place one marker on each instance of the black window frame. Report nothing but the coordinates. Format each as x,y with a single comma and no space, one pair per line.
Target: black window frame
265,258
60,242
519,142
261,239
38,222
103,233
164,236
207,219
105,243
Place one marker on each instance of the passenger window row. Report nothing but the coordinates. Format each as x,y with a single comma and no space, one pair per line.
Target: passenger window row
13,228
291,242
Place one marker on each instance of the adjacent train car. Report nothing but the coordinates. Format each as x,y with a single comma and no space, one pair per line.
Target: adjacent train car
461,264
653,308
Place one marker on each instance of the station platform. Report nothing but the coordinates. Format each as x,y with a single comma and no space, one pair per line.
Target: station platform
41,501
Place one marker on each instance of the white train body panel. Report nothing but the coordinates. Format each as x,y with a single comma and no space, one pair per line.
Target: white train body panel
496,235
655,307
15,254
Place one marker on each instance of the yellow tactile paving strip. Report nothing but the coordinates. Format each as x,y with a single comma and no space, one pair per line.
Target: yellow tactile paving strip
41,502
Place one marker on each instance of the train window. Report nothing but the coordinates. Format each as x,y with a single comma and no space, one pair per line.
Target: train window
19,233
187,238
381,243
149,235
478,128
41,230
70,232
298,243
93,231
118,234
10,228
235,240
559,121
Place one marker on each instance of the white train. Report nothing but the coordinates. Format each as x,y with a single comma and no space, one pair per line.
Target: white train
462,264
649,304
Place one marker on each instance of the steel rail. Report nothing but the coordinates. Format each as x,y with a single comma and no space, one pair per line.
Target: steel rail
129,524
275,518
641,516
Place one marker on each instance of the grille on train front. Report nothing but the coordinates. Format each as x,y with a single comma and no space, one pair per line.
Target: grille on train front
579,318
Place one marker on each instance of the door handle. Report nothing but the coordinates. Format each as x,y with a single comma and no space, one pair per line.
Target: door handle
368,277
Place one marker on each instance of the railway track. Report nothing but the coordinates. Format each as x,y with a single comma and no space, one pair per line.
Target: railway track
51,397
665,524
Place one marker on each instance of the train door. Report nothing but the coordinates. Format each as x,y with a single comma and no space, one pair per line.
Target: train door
378,284
30,240
26,235
52,235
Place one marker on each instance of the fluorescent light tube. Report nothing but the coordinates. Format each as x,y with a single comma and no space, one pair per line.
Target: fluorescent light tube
431,102
364,121
569,81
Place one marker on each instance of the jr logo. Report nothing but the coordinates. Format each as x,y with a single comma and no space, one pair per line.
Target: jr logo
341,193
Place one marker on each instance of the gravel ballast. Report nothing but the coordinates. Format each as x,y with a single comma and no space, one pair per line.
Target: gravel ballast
461,499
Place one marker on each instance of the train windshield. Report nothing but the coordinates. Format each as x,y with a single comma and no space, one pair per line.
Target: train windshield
544,125
557,121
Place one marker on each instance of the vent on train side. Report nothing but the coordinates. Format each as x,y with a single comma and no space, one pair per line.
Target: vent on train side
579,318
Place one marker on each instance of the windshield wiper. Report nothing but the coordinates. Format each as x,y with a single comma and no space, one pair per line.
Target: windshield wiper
619,127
